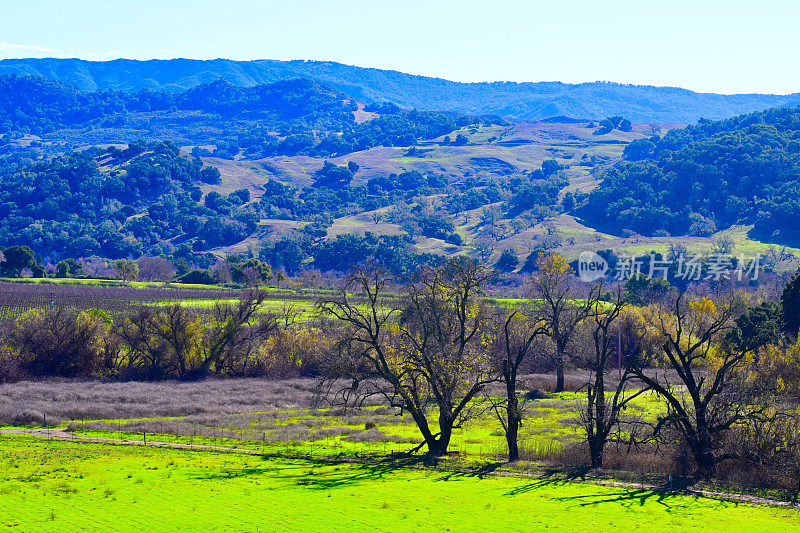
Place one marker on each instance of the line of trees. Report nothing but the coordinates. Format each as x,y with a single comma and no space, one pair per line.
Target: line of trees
436,350
724,365
152,342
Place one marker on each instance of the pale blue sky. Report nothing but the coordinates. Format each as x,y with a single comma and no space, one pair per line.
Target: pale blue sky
706,45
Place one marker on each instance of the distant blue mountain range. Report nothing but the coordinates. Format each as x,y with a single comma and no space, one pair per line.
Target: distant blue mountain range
532,101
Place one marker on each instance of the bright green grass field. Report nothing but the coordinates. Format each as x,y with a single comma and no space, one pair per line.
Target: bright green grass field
63,486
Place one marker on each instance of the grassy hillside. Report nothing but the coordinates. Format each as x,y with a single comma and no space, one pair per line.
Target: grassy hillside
491,152
521,100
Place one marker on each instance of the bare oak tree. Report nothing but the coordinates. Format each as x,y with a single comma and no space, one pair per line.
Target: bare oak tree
707,401
61,341
234,333
519,333
425,354
162,343
602,415
556,300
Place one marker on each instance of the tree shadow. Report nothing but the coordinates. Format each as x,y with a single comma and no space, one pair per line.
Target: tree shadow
317,473
328,474
630,497
479,472
532,486
567,473
617,496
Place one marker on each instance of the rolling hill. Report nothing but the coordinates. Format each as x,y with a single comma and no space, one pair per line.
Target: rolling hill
302,175
708,177
289,117
646,104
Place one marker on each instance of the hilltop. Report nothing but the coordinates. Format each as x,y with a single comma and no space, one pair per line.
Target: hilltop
706,177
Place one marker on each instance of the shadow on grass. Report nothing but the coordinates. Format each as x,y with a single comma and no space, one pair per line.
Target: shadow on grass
634,497
479,472
567,473
328,474
669,498
321,473
534,485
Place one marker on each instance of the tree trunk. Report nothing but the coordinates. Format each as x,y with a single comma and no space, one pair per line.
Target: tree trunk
512,430
701,447
422,424
596,447
511,438
596,413
438,447
559,371
704,456
706,464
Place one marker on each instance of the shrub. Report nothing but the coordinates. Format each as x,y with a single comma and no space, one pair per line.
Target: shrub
61,342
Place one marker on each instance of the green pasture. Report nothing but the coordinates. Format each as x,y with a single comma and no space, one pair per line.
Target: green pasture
298,289
65,486
112,283
304,308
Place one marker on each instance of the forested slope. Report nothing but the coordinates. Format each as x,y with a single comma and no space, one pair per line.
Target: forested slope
744,170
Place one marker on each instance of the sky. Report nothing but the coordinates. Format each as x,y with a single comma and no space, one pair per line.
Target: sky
724,46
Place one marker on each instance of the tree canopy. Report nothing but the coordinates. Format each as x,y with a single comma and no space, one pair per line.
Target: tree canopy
707,177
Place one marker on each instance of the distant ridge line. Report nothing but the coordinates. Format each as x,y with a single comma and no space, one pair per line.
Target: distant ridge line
523,100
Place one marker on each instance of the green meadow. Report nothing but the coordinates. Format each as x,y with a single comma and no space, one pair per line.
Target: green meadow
64,486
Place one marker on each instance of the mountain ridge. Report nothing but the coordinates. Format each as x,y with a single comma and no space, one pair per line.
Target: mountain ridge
523,100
